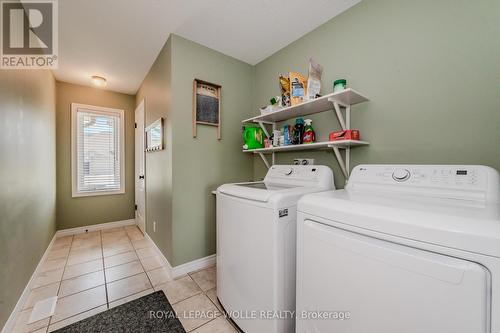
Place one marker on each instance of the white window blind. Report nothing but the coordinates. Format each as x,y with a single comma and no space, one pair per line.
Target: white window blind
98,150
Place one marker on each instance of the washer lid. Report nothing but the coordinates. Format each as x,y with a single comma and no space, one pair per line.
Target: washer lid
265,186
257,191
261,191
290,181
459,224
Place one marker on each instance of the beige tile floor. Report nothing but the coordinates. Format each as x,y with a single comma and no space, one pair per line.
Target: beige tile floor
95,271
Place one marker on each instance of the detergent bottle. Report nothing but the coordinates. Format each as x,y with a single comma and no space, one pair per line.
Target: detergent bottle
309,135
253,137
298,131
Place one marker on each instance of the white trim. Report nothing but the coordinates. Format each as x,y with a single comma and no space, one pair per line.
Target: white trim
95,227
183,269
159,254
100,110
136,175
193,266
9,324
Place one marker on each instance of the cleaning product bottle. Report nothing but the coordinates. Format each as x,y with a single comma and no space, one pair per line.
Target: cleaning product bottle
286,134
298,131
309,135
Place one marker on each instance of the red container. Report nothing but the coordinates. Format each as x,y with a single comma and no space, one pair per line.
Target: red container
344,135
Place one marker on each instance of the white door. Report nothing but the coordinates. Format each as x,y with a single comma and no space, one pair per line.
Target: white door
385,287
140,181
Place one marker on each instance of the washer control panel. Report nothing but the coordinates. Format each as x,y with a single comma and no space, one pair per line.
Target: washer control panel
300,175
456,180
400,175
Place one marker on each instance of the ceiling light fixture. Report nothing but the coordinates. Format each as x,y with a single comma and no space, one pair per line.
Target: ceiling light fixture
98,81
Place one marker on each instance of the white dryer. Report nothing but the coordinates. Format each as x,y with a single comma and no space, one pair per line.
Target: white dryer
256,238
404,248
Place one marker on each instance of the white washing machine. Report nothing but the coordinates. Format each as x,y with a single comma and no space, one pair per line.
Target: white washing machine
256,238
404,248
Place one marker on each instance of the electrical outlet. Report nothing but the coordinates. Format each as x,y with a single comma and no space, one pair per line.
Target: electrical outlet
303,161
154,226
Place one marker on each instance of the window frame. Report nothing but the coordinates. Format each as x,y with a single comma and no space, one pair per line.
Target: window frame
74,149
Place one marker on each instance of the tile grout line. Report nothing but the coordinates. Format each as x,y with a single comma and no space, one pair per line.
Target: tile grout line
81,291
204,294
60,282
107,301
116,300
151,283
208,322
77,314
201,292
123,263
104,269
80,275
213,301
104,282
85,261
104,272
99,284
126,277
66,265
182,300
66,259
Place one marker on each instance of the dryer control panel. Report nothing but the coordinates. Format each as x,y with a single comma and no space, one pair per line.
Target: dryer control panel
468,182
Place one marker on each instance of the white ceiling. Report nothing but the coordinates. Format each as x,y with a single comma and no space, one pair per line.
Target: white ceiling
120,39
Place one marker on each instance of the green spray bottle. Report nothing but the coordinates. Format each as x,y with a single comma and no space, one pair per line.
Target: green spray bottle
309,135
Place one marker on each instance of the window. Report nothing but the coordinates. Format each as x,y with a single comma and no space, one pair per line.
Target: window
97,150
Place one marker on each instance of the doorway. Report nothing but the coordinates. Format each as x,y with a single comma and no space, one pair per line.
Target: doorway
140,172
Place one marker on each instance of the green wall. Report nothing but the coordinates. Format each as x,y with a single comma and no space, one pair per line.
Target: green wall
180,178
82,211
430,68
156,91
27,178
431,71
203,163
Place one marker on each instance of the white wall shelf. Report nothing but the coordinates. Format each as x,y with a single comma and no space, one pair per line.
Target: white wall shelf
337,101
324,103
309,146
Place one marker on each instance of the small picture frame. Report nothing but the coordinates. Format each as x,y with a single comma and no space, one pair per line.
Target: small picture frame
154,136
206,105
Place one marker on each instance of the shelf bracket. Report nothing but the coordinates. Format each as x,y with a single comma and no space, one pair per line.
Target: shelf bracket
337,106
264,159
261,124
342,164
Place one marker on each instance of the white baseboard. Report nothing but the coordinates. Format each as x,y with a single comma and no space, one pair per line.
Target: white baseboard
95,227
159,253
9,325
183,269
193,266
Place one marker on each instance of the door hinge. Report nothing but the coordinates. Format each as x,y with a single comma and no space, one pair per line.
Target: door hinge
135,124
135,207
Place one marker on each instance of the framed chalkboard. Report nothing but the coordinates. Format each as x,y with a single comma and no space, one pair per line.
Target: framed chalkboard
206,105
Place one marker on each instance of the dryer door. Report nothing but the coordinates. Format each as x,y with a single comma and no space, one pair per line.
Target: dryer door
385,287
